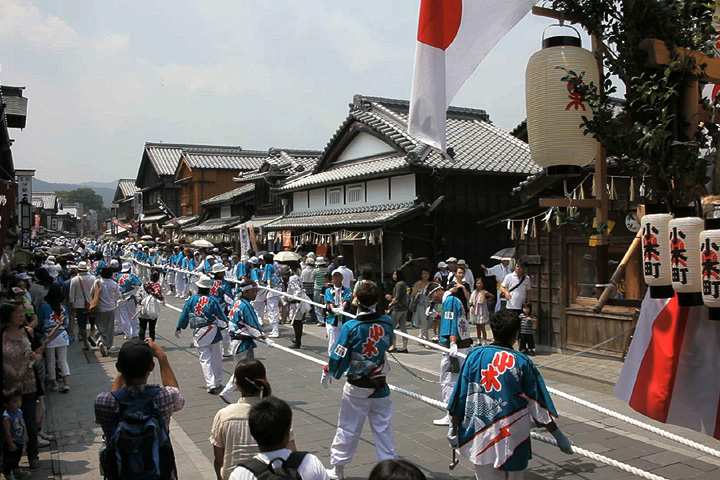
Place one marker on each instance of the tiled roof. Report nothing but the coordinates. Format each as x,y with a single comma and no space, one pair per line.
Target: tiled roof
478,146
153,217
345,217
257,222
15,106
213,225
165,157
47,198
127,187
338,173
231,195
242,161
185,220
287,164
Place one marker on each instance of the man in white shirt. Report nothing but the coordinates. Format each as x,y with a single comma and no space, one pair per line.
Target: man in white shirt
515,288
79,298
348,275
270,421
499,271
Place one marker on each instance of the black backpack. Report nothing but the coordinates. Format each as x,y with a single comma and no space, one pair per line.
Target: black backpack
139,447
266,471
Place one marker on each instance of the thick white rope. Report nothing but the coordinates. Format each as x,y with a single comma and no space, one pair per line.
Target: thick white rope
572,398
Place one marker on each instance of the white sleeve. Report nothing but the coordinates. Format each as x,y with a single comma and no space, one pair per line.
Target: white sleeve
241,473
311,468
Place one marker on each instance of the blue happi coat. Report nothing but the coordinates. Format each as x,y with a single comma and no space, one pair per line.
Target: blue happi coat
454,322
126,282
244,322
221,288
360,349
497,395
331,296
201,310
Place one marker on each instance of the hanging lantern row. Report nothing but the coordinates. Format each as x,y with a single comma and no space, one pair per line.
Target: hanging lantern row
373,237
680,255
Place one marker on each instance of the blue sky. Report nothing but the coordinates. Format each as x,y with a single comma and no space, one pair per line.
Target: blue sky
105,76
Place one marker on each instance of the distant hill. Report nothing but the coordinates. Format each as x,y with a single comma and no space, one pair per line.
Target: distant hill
104,189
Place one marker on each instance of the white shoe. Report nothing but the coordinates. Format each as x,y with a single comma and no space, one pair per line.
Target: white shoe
274,335
41,442
225,398
443,422
337,472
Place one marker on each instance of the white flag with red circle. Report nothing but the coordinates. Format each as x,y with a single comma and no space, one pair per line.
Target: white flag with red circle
454,36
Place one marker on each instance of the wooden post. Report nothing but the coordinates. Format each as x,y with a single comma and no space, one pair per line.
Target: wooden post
601,211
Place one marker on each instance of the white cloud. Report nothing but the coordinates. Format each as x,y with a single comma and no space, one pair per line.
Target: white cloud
23,22
231,77
112,43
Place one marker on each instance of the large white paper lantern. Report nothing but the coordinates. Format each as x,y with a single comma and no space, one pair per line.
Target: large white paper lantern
554,112
710,262
685,265
656,254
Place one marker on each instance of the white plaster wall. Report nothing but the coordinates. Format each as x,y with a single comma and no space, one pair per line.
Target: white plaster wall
402,188
364,145
300,201
377,192
317,199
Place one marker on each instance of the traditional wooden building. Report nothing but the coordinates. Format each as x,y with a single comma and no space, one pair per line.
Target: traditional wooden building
203,175
122,206
564,262
13,114
221,213
378,193
156,179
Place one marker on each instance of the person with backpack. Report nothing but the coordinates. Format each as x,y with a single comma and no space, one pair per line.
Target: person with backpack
204,314
360,354
135,416
149,307
270,421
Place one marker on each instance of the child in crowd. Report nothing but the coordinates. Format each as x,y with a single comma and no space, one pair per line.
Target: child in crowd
479,313
15,436
527,341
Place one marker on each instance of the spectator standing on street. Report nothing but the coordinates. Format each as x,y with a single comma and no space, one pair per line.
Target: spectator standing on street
15,435
149,307
460,288
230,435
421,302
318,286
498,395
499,271
527,339
479,313
105,319
307,277
469,276
441,276
135,362
515,288
270,423
17,363
54,314
398,307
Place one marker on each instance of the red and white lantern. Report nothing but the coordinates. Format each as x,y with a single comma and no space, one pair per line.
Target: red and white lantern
710,262
554,111
685,262
656,254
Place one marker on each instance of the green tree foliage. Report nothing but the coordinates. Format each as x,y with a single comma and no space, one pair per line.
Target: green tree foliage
85,196
647,135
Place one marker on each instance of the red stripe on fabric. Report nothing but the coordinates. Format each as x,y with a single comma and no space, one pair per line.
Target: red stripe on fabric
652,392
439,22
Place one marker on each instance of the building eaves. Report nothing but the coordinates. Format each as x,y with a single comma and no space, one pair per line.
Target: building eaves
213,225
353,171
231,195
165,157
373,216
127,187
224,161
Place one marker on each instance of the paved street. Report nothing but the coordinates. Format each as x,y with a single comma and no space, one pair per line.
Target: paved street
74,453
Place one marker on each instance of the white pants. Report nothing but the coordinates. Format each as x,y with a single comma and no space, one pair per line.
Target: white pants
259,305
333,333
447,379
180,285
211,362
125,312
170,276
61,354
192,286
230,385
488,472
225,341
353,411
273,311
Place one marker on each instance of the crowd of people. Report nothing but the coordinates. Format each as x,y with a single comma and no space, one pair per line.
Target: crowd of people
96,291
